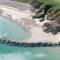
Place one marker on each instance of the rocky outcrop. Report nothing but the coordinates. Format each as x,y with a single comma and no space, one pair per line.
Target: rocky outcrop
51,27
49,12
21,44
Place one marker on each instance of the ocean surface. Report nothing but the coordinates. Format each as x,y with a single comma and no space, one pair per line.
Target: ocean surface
23,53
10,30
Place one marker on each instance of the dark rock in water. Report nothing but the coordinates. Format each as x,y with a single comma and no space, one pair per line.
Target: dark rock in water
58,43
47,24
38,16
58,28
1,41
21,44
17,44
42,19
51,27
4,41
55,44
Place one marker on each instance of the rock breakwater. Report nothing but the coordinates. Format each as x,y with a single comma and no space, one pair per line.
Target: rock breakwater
24,44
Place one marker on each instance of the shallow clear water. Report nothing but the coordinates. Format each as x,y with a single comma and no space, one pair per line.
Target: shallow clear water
11,30
21,53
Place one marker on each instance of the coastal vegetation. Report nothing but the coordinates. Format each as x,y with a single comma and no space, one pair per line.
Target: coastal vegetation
51,8
48,7
45,7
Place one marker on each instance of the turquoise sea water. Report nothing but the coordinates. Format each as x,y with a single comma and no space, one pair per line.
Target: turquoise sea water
21,53
11,30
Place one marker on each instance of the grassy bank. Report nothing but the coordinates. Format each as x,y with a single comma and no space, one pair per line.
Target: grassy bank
49,7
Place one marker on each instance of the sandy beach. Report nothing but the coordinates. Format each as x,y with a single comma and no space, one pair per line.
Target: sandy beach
33,25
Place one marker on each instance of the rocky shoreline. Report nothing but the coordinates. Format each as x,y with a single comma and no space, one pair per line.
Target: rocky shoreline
24,44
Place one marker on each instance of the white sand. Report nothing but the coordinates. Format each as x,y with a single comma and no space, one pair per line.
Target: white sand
37,34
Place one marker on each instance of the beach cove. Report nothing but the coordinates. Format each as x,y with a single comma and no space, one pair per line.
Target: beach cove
22,37
24,17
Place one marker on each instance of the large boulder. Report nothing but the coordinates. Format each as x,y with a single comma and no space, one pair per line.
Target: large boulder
51,27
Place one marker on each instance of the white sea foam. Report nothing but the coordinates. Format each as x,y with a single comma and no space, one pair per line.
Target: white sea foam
12,56
27,53
40,55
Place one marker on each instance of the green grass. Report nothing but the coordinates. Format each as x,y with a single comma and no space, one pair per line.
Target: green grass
51,2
